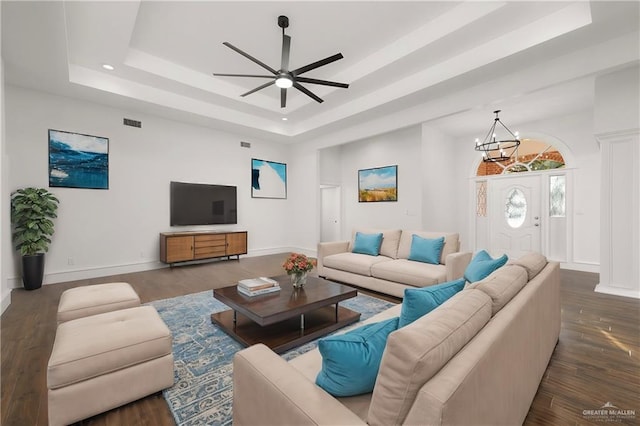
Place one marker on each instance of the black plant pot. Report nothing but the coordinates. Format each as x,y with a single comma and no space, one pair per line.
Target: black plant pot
32,271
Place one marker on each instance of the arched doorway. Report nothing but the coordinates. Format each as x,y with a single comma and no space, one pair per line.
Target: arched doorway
521,205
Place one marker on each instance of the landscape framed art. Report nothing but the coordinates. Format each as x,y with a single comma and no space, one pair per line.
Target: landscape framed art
378,184
268,179
78,161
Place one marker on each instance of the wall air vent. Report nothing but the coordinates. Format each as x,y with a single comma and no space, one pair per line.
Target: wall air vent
132,123
245,144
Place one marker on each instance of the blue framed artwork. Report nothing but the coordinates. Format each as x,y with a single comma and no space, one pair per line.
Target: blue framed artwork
268,179
378,184
78,161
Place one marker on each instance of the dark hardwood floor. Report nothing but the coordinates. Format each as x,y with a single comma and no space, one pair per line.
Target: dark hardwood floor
595,362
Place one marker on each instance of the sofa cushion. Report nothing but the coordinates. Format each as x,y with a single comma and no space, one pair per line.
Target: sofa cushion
408,272
502,285
418,351
427,250
390,240
418,302
354,262
482,265
533,262
350,361
451,243
367,243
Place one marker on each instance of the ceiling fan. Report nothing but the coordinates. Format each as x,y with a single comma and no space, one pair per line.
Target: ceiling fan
285,78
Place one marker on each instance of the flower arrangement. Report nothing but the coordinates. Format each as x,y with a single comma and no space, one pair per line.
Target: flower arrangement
298,263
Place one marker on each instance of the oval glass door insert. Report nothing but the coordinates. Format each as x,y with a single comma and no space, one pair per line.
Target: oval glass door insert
515,208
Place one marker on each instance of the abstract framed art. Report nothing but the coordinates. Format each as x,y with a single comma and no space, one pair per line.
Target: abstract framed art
78,161
268,179
378,184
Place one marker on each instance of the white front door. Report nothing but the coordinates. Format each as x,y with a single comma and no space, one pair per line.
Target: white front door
515,215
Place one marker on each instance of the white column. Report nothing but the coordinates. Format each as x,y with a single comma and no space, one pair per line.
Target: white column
617,108
620,214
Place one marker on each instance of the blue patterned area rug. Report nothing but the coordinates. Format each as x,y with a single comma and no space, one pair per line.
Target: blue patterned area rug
203,354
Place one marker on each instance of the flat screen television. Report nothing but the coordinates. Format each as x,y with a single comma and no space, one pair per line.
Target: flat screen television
202,204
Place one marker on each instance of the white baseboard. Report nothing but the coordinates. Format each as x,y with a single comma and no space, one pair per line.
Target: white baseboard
280,250
5,302
583,267
617,291
95,272
105,271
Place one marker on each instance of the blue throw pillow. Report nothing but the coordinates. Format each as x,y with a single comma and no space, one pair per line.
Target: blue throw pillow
367,244
482,265
425,249
418,302
350,361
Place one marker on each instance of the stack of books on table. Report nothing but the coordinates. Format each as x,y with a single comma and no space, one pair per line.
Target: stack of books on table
256,286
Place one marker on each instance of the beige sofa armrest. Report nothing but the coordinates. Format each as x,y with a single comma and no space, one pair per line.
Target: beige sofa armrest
329,248
269,391
456,263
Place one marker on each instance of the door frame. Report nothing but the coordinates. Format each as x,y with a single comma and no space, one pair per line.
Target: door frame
338,210
544,207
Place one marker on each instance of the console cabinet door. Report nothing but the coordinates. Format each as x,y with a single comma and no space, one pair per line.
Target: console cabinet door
179,249
236,243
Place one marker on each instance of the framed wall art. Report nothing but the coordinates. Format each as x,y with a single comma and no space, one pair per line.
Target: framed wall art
378,184
268,179
78,161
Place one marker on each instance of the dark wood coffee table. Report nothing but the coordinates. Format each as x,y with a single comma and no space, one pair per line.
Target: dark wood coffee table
287,318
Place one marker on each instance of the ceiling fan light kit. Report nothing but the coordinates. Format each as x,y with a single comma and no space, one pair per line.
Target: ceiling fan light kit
285,78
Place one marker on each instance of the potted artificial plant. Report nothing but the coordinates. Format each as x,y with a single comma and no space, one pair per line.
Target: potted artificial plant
31,212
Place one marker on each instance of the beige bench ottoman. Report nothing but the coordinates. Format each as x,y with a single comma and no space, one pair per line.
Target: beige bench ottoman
104,361
81,302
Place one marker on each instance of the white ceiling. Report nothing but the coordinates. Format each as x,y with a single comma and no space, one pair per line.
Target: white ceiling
447,63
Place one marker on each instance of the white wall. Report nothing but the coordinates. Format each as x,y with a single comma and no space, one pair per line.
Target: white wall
616,105
330,166
116,230
439,176
402,148
573,136
5,230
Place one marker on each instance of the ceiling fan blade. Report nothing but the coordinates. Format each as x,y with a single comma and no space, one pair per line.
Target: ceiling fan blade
286,47
317,64
242,75
322,82
307,92
251,58
258,88
283,98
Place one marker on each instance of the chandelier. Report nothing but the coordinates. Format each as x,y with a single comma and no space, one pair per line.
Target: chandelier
497,150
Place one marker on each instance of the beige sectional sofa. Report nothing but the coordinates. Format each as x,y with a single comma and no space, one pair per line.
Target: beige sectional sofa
391,272
475,360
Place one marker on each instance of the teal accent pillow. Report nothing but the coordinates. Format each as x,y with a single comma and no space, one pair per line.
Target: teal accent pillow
482,265
426,250
367,244
418,302
350,361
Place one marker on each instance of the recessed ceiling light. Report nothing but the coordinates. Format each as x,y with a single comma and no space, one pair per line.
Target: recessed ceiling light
284,118
108,67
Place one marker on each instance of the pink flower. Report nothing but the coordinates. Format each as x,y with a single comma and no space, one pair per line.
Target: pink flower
297,262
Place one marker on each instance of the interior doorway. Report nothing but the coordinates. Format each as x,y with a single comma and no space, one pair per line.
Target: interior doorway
514,212
330,213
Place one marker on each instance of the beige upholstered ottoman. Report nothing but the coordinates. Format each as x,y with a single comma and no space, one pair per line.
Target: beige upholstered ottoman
96,299
103,361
